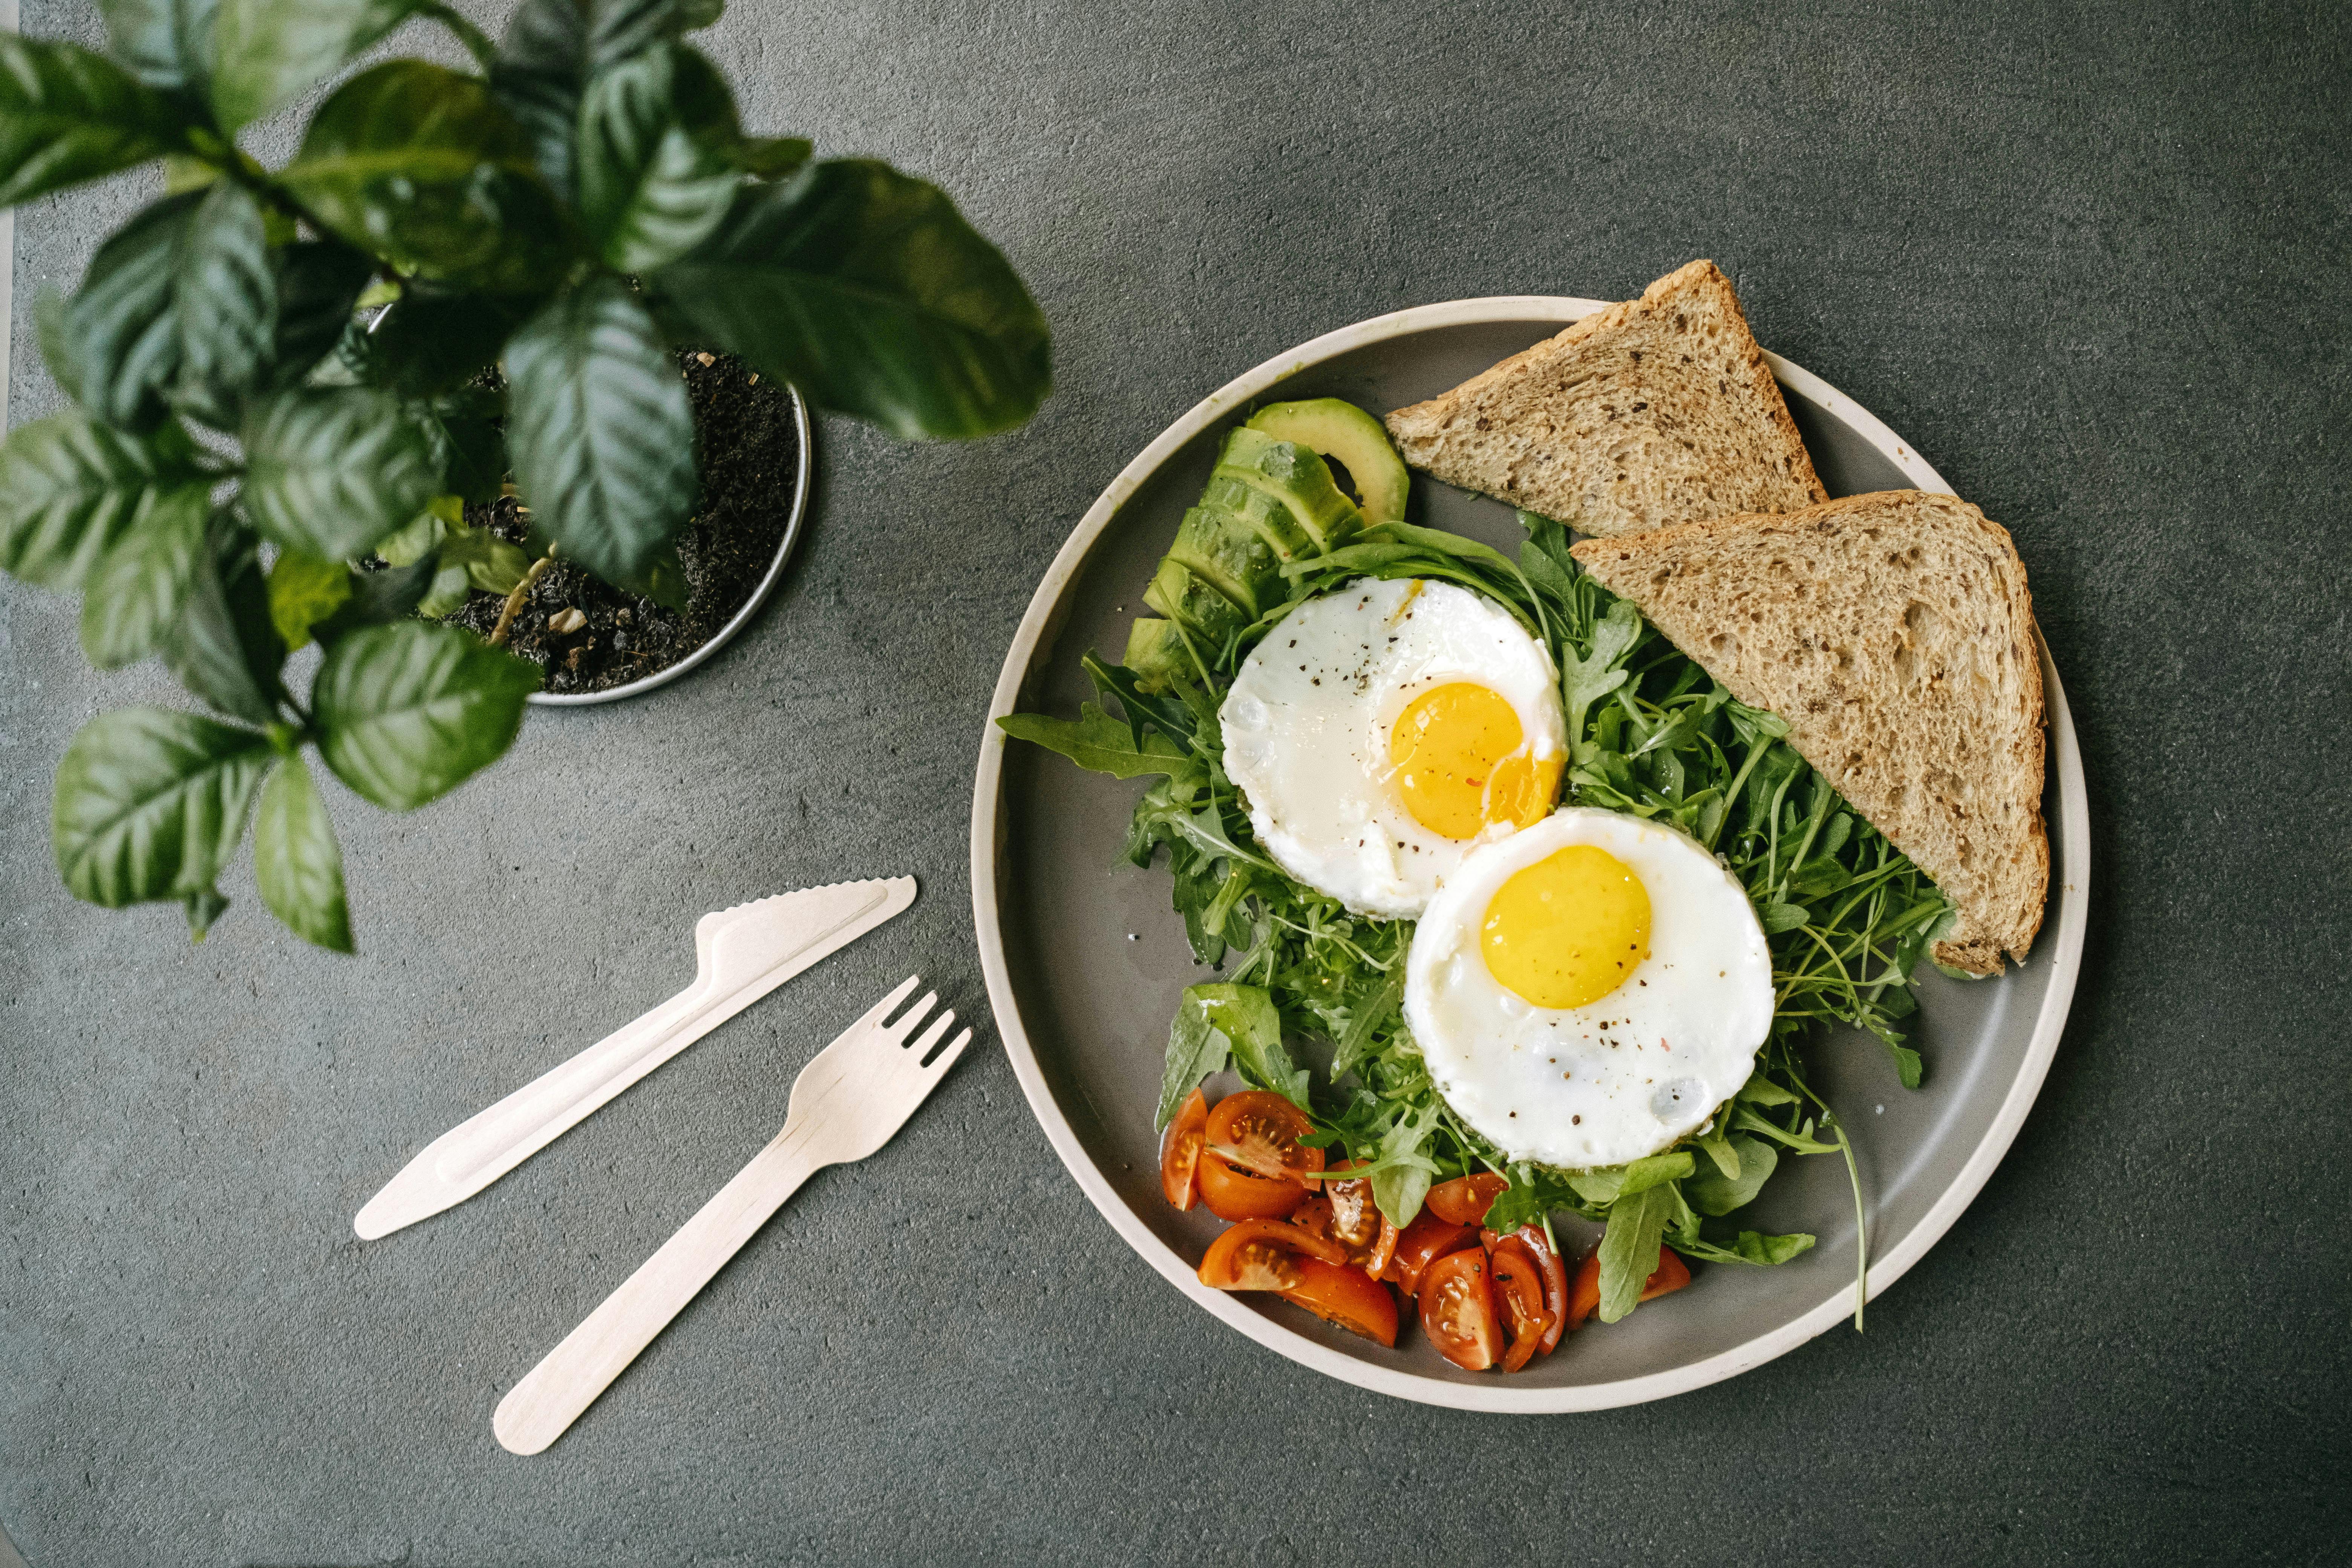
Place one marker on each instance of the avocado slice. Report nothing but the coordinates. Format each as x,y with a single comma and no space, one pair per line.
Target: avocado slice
1346,434
1181,597
1292,475
1231,557
1155,654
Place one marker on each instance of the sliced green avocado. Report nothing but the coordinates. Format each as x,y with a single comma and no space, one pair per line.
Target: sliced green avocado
1155,653
1349,437
1290,473
1181,597
1231,557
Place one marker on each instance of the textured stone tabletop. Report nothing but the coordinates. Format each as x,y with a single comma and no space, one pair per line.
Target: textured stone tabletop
2091,261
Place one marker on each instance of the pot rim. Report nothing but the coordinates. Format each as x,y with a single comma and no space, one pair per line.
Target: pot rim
735,622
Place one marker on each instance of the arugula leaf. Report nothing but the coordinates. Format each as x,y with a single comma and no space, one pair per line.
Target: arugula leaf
1628,1248
1102,744
1616,1182
1403,1169
1196,1048
1717,1192
1586,678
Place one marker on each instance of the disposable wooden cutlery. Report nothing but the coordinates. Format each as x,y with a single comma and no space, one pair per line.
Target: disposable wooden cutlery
845,1104
740,955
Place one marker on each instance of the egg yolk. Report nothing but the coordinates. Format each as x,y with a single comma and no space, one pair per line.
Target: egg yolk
1568,930
1461,763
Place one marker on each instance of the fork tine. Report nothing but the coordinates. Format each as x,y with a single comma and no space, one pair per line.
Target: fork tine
899,1028
930,1036
946,1058
883,1009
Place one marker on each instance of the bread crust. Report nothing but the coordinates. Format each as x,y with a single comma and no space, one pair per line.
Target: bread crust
1579,429
1895,633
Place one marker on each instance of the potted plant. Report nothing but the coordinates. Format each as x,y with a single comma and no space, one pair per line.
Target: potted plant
300,394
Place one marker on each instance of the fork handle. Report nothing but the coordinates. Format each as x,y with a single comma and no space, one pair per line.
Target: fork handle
552,1396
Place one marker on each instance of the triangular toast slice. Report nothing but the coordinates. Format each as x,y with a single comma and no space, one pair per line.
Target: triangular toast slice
1894,634
1658,410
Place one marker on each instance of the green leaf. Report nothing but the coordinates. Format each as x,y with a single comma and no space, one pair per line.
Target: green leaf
120,332
266,53
164,42
654,174
1102,744
661,578
67,115
225,304
319,284
1245,1015
1778,917
303,591
1403,1169
772,158
330,470
378,598
69,486
868,291
150,804
406,713
297,865
135,597
1628,1248
1585,678
435,340
223,647
450,589
1754,1246
598,430
1711,1191
541,67
49,335
1615,1182
464,430
421,165
1196,1048
413,541
487,561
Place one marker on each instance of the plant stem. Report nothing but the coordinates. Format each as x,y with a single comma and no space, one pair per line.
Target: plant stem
513,606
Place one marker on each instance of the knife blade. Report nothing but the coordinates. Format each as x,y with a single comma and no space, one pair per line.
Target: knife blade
740,955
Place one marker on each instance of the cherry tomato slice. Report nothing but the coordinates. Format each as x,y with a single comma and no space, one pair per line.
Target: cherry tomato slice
1264,1255
1348,1297
1518,1298
1465,1200
1426,1240
1344,1210
1584,1297
1179,1152
1457,1311
1555,1284
1253,1164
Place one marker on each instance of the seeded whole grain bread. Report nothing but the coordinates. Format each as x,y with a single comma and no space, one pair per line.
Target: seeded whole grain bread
1894,634
1657,410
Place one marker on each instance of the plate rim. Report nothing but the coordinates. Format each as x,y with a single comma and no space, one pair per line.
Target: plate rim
2064,947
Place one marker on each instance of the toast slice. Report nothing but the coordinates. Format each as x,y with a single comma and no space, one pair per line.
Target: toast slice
1658,410
1894,634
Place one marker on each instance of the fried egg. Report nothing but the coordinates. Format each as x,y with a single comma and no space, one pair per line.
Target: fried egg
1380,732
1589,990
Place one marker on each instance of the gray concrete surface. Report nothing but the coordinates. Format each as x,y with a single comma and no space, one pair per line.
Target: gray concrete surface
2090,258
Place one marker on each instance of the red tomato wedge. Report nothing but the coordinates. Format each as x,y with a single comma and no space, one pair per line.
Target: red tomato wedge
1179,1152
1584,1297
1345,1212
1457,1311
1264,1255
1253,1165
1555,1284
1348,1297
1518,1298
1426,1240
1465,1200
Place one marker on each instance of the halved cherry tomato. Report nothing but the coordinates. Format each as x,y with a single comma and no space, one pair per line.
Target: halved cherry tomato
1457,1311
1584,1297
1253,1164
1348,1297
1424,1241
1555,1284
1179,1152
1264,1255
1465,1200
1344,1211
1519,1298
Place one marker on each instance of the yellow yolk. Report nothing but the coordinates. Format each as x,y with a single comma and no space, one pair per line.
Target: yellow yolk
1461,763
1568,930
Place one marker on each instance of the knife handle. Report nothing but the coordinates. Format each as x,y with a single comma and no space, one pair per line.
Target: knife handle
552,1394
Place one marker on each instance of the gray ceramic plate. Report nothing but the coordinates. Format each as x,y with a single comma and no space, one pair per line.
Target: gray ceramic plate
1084,959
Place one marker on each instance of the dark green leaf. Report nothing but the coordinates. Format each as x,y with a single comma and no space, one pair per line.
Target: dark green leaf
297,865
1404,1169
1711,1192
541,68
463,427
421,165
57,347
1907,1066
203,907
598,430
654,177
662,577
408,711
150,803
67,115
330,470
1196,1048
1754,1246
1778,917
135,597
622,29
869,291
1616,1182
303,591
1628,1248
120,331
1245,1015
223,647
1585,678
1102,744
379,598
452,586
224,303
164,42
772,157
265,53
433,341
487,561
69,486
319,284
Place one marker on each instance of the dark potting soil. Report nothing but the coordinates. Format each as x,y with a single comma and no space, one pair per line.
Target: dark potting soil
747,449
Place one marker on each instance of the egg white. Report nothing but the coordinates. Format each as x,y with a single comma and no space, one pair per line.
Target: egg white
1617,1079
1308,720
